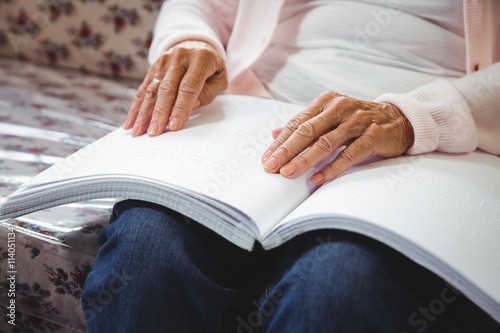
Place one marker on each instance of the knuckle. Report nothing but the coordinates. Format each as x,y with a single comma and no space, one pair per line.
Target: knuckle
349,130
343,102
180,110
283,150
304,160
207,96
167,88
327,143
349,155
374,134
151,93
330,169
164,58
293,124
323,99
330,95
159,112
159,64
306,130
205,53
178,52
327,95
139,94
140,118
359,116
188,86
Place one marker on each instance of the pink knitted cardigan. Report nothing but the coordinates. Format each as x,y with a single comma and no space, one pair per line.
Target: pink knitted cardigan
448,116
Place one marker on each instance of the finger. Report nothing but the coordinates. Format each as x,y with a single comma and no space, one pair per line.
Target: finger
306,135
276,132
167,94
145,111
353,154
189,89
213,87
291,126
149,96
139,96
323,147
315,108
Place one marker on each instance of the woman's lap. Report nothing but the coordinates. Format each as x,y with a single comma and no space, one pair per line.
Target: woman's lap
157,271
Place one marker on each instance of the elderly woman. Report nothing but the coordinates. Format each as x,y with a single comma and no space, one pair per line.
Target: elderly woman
385,77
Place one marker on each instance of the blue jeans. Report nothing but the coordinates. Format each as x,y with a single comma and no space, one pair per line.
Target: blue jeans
157,271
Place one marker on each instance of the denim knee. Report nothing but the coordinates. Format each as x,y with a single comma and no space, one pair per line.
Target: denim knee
339,281
171,267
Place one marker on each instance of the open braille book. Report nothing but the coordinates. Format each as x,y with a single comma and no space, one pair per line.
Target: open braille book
440,210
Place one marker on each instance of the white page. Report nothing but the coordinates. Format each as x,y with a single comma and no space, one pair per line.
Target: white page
443,211
217,154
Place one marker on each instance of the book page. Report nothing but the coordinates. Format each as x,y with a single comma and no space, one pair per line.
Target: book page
441,210
217,154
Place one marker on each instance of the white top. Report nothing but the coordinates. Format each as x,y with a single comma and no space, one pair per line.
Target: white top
316,48
457,115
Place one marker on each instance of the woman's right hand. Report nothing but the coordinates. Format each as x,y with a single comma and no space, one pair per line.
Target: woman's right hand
189,75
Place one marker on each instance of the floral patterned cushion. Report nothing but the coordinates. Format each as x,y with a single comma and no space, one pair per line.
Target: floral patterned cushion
45,115
110,37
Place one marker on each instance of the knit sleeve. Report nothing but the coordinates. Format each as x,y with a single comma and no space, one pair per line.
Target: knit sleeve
454,116
181,20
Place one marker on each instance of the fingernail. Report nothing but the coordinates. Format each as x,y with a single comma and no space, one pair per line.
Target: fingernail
135,130
317,178
266,155
153,128
126,124
271,164
288,170
173,124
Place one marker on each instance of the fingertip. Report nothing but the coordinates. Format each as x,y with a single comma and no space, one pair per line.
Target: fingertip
318,178
153,130
276,132
289,170
266,155
136,130
271,165
173,124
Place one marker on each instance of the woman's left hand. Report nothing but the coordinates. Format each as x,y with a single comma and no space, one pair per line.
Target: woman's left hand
333,120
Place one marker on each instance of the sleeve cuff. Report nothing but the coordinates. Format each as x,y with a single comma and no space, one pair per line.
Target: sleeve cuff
440,117
163,43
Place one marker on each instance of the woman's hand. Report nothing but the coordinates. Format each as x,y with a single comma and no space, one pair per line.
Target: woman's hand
187,76
333,120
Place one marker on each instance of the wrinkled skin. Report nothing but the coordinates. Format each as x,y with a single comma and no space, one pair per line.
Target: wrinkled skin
331,121
192,74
